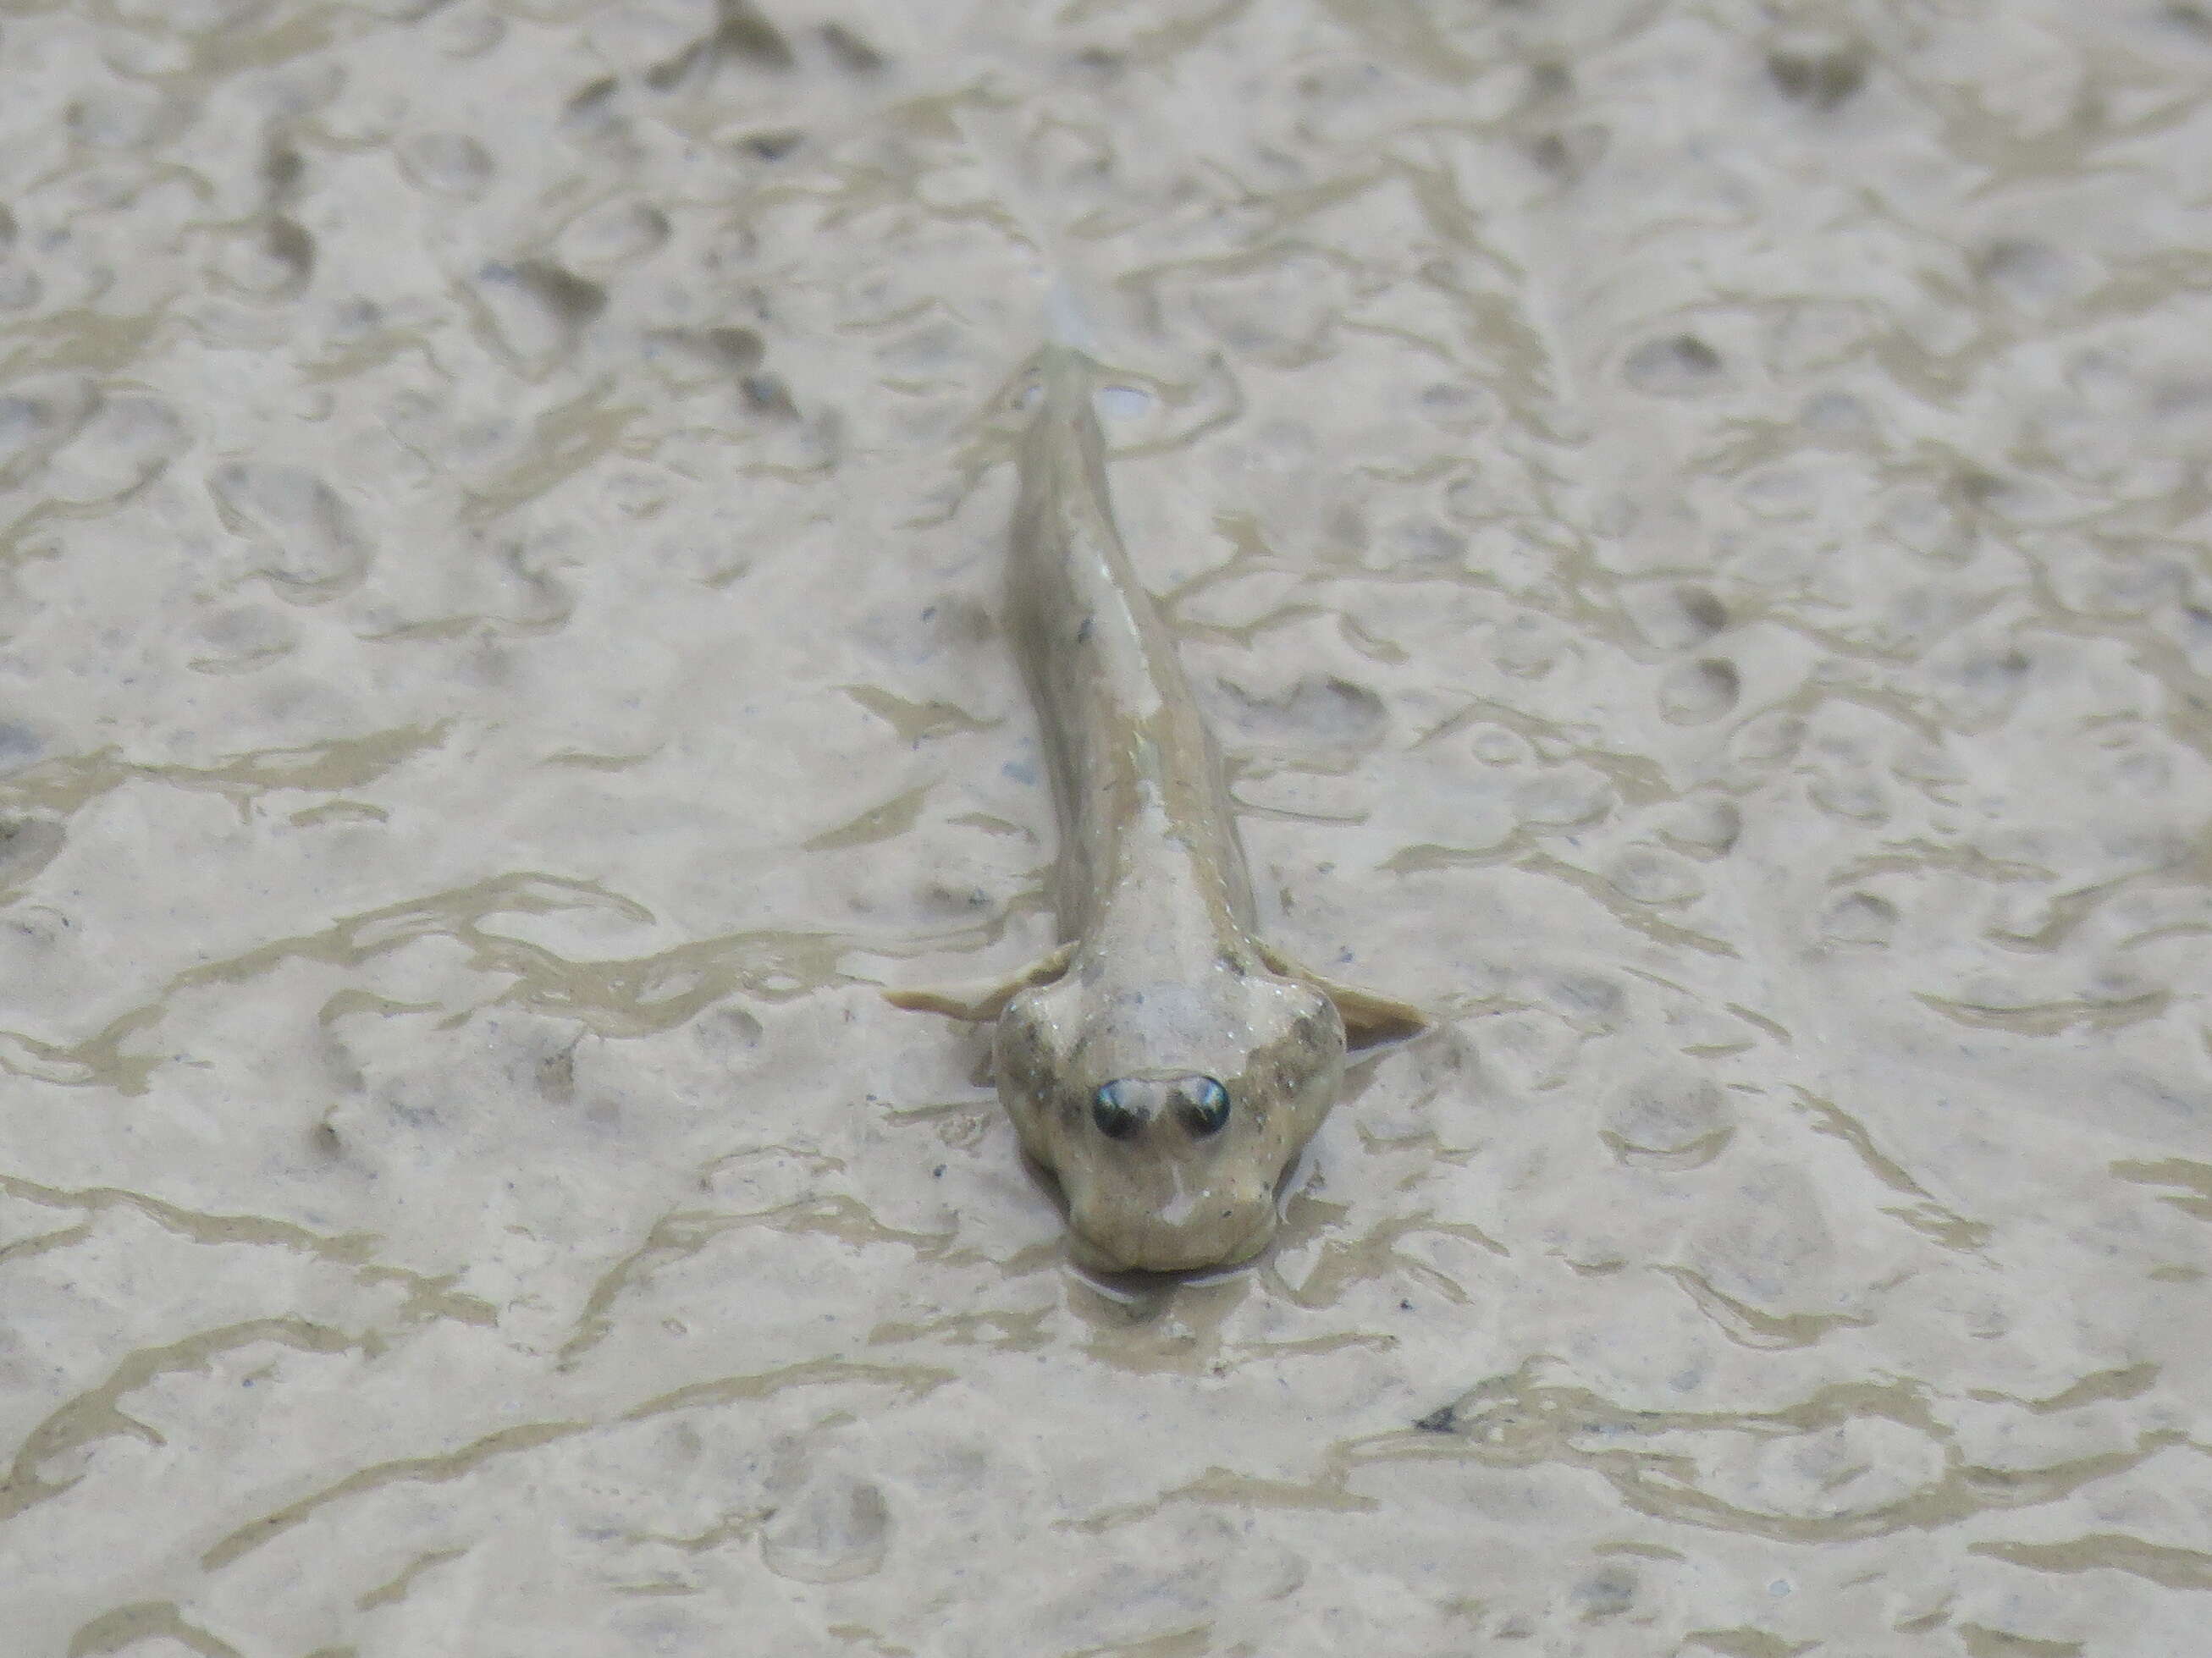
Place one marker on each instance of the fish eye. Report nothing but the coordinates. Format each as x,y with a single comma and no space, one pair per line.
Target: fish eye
1205,1107
1115,1117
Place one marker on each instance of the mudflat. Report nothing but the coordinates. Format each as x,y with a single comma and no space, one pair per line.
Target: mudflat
1686,524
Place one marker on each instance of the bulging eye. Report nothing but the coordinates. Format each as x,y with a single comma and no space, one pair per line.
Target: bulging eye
1204,1106
1117,1118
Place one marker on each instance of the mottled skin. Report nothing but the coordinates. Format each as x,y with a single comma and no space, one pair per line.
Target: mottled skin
1115,1054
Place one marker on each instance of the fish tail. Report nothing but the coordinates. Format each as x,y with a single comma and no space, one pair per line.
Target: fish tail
1067,361
1064,368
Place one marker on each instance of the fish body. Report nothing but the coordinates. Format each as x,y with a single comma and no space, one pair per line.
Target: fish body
1162,1063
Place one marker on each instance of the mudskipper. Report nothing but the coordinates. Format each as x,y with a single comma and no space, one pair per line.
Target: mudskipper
1163,1064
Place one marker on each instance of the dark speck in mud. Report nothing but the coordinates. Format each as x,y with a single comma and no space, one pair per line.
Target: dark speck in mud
1405,1305
1817,67
938,1172
740,349
767,394
1443,1420
1099,63
774,146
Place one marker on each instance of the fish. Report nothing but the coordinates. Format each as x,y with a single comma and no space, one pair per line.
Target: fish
1163,1064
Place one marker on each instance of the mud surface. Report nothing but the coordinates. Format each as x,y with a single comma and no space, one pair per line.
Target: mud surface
1689,521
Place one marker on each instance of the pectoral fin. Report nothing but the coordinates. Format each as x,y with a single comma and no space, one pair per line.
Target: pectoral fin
981,999
1371,1022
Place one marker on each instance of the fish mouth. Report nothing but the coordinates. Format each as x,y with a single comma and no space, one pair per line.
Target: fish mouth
1109,1243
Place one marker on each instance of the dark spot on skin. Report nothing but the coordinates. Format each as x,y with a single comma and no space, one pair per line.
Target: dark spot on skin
1083,633
938,1172
1443,1420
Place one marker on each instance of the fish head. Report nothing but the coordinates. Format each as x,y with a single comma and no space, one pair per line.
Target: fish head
1170,1113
